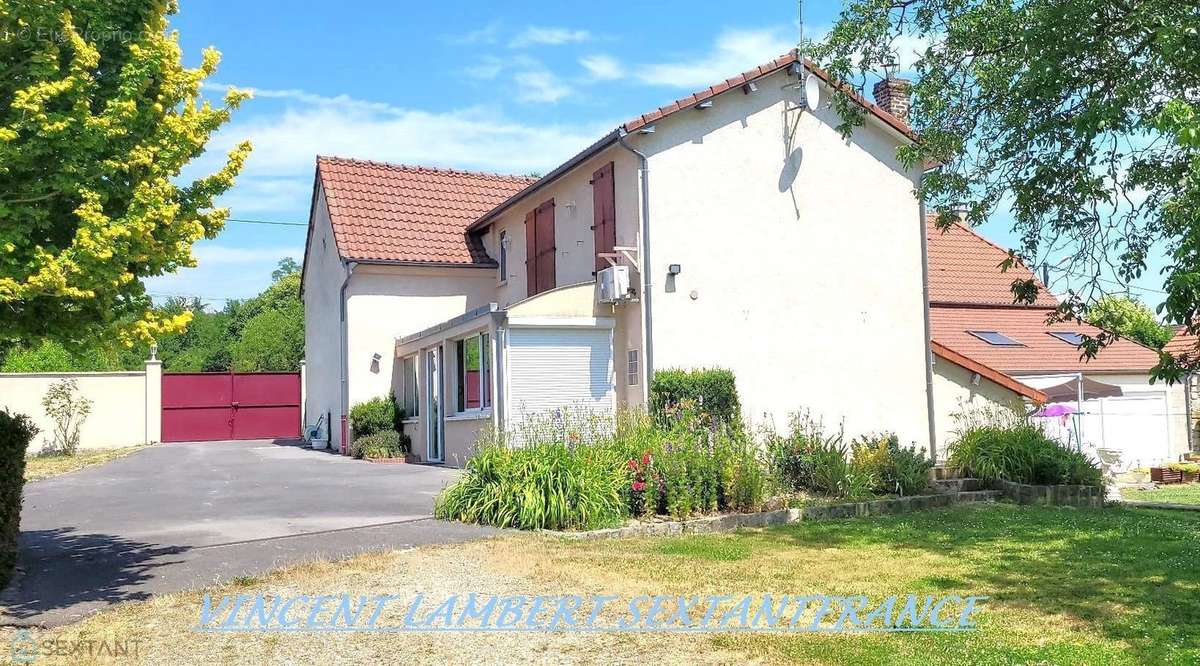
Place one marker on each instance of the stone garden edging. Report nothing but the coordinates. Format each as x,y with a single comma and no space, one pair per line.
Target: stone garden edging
735,521
1080,496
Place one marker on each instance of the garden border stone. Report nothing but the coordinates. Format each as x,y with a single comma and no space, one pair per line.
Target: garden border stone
735,521
1081,496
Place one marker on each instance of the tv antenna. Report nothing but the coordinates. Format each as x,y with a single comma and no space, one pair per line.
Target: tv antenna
810,87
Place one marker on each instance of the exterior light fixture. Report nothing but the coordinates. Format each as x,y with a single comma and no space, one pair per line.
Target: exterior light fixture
674,269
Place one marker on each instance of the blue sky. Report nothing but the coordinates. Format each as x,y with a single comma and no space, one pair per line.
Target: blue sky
505,87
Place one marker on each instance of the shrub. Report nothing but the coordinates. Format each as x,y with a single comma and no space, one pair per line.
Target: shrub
1186,468
542,485
68,410
688,466
16,432
375,415
384,444
889,467
1019,450
712,392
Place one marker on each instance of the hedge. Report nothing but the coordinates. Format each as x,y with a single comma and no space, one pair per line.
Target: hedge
16,431
712,390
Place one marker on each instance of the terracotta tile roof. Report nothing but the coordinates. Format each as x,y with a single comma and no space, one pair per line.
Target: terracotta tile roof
995,375
1040,352
390,212
1182,343
964,267
761,71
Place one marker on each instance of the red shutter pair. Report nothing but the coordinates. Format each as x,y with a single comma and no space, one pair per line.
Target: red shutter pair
539,248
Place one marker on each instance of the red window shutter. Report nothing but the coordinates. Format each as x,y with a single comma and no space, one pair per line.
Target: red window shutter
530,254
544,221
604,213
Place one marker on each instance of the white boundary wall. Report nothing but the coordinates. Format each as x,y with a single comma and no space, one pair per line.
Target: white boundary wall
126,406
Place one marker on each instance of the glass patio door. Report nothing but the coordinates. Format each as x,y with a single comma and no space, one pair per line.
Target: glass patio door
433,405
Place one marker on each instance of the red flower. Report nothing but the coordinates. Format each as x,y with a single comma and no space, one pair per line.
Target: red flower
646,458
632,464
638,486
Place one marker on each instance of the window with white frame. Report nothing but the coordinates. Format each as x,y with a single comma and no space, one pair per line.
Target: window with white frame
503,256
408,372
474,373
631,368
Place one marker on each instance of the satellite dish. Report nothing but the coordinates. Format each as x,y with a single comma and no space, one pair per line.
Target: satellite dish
812,92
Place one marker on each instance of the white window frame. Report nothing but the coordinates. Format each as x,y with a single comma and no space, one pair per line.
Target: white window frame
486,368
633,368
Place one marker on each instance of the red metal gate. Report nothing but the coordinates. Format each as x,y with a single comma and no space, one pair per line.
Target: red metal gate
208,406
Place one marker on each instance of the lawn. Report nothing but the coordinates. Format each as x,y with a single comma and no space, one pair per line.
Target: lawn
45,466
1098,586
1182,493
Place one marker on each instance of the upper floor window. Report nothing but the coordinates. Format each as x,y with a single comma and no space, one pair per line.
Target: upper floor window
503,256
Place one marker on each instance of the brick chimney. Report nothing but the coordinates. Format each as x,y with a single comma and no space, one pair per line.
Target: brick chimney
891,94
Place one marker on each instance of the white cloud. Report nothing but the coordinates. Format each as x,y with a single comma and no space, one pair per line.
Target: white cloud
223,272
488,34
286,143
540,86
602,67
734,52
548,36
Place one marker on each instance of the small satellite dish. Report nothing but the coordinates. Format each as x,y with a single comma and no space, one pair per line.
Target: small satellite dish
812,92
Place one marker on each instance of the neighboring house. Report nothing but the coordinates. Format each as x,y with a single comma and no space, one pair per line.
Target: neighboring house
972,315
753,236
1187,344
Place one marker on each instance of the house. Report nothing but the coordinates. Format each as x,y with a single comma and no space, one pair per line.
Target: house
733,228
972,316
1187,344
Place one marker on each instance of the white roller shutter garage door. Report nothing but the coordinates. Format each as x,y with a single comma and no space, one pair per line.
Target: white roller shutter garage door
552,368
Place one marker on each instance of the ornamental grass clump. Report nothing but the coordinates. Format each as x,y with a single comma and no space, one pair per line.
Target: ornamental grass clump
1009,446
552,483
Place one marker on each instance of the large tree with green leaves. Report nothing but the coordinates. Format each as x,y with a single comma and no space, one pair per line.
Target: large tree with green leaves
1081,118
98,118
1129,318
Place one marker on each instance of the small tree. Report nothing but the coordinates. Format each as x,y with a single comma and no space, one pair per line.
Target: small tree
68,410
1129,318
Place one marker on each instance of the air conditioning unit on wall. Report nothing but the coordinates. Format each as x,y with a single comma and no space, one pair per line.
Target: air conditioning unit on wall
613,284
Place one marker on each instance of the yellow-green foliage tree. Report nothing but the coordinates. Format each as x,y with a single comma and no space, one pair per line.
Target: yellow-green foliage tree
98,117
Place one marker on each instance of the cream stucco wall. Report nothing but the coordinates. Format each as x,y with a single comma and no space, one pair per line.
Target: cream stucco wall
324,274
954,395
800,256
576,246
118,409
388,302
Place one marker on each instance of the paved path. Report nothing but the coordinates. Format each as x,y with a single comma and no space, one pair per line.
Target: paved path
177,516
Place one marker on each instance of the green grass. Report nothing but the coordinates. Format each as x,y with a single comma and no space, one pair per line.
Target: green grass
1183,493
1066,585
45,466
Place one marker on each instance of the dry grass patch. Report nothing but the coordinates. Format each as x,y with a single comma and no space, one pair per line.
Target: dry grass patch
1066,586
45,466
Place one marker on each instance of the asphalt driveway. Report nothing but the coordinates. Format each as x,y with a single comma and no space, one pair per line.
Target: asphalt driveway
177,516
